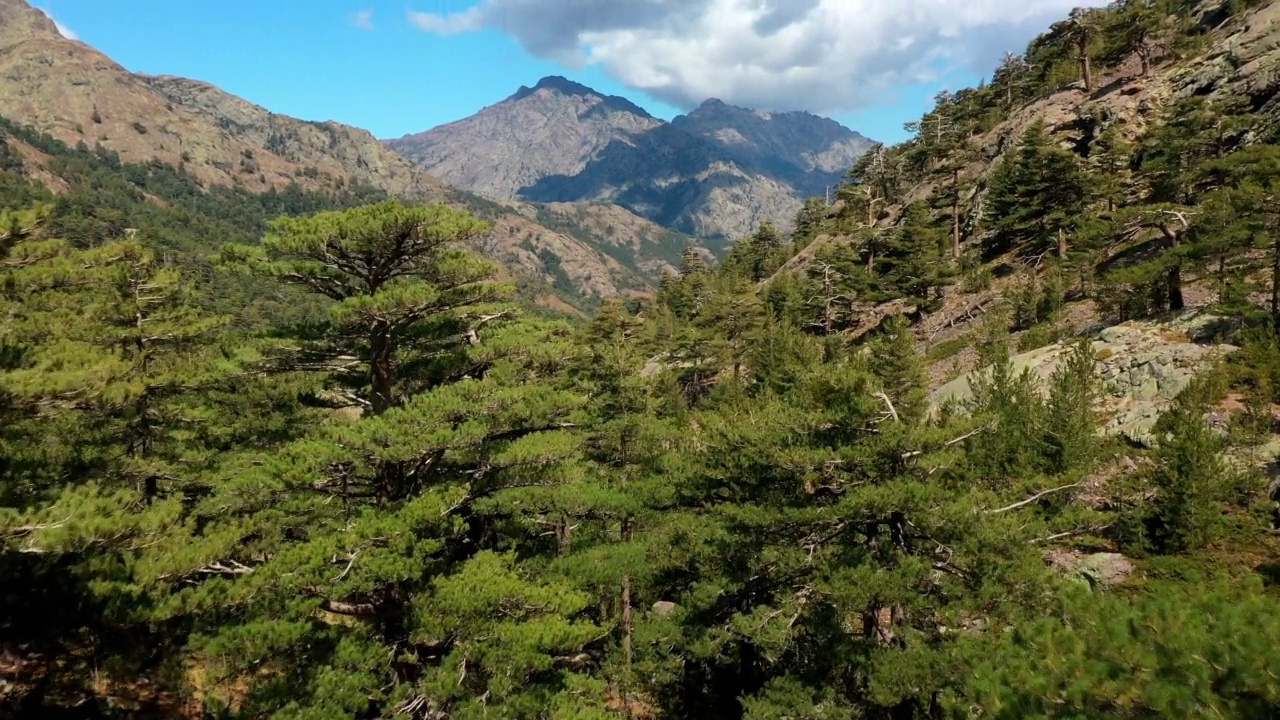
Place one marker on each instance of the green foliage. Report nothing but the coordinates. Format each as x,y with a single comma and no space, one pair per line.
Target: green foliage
896,363
1071,417
1036,195
948,348
912,263
1186,478
758,255
1176,651
403,498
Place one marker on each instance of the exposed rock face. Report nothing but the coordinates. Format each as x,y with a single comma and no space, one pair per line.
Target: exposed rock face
716,172
809,151
554,128
310,144
1244,63
1143,367
1101,571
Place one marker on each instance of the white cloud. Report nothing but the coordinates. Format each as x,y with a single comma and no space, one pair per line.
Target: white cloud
448,23
825,56
63,30
362,19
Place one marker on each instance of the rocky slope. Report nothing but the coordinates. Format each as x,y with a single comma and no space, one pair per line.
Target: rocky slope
1143,366
716,172
555,128
77,94
319,145
1237,60
811,152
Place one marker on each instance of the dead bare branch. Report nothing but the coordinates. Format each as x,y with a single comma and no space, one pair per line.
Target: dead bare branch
1033,498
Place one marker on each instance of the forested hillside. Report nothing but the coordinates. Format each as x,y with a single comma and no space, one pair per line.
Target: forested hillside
326,466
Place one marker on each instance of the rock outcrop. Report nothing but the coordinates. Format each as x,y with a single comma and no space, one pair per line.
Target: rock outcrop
1143,366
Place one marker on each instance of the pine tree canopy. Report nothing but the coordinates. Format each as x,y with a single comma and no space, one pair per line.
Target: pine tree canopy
303,455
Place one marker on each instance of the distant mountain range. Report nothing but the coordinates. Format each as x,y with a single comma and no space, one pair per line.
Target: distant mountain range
78,95
713,173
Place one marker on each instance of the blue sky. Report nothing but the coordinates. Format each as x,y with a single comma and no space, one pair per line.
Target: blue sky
363,62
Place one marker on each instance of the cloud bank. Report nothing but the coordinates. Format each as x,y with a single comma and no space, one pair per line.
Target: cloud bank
826,56
361,19
63,30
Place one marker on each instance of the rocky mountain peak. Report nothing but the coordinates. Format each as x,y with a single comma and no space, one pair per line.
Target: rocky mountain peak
20,21
715,173
562,86
809,150
556,83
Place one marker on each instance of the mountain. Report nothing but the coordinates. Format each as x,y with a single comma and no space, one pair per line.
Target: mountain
714,173
77,95
812,152
555,128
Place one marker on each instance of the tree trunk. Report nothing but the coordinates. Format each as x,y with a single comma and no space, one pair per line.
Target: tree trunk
1175,273
1086,68
955,214
626,599
1175,288
1275,285
828,291
380,373
564,531
1222,278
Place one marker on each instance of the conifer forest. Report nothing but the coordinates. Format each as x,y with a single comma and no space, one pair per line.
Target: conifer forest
307,454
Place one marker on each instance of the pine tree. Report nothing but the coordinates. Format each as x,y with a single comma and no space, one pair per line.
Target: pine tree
756,256
1185,650
808,221
1188,467
912,264
1036,195
1110,160
1141,22
1080,29
1071,414
396,278
1243,214
895,360
1177,167
388,527
1011,76
1007,400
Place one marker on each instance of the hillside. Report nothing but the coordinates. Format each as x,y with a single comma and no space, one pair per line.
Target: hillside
716,172
1216,59
76,94
1128,206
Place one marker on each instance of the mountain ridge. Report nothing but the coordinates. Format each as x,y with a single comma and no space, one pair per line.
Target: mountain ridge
561,141
77,94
